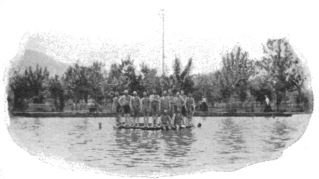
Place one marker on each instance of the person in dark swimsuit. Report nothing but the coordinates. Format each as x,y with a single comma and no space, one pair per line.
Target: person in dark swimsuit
166,120
125,102
164,103
116,108
146,106
154,98
172,103
184,109
136,106
178,102
178,121
190,106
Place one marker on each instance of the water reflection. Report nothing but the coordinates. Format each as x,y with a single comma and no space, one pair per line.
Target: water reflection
152,148
76,133
204,118
280,134
34,127
178,147
231,140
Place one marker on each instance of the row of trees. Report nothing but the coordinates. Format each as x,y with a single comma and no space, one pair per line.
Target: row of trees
278,73
84,82
125,76
77,83
239,79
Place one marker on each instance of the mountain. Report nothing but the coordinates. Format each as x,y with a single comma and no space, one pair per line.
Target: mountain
32,58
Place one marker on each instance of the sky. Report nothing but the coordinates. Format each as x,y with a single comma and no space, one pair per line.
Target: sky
108,31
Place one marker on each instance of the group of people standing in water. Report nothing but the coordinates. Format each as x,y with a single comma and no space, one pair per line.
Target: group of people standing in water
166,111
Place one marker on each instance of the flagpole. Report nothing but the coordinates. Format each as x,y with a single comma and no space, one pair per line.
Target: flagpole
163,47
163,44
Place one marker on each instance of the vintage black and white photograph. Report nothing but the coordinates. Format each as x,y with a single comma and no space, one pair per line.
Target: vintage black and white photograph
155,88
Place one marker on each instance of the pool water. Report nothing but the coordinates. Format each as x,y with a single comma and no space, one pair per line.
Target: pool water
220,144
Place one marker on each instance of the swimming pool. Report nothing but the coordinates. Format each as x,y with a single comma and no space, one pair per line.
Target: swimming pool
221,144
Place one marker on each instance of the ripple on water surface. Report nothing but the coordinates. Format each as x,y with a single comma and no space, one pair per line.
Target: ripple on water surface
222,143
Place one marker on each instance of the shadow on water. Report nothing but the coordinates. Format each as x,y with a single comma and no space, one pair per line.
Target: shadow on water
280,134
231,141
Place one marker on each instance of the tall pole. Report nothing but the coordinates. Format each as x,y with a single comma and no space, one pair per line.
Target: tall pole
163,44
163,51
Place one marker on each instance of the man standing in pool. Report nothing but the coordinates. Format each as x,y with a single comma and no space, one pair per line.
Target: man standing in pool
164,103
172,103
116,108
154,98
178,120
184,109
136,106
190,106
166,120
179,103
146,106
125,102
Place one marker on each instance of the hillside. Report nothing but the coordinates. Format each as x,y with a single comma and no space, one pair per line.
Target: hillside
32,58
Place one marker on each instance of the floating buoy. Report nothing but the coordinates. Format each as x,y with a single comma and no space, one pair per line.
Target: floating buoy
100,125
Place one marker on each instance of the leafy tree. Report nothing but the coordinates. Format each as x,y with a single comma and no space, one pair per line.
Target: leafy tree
214,92
18,85
260,85
124,77
182,79
131,77
76,82
96,81
206,85
36,82
56,90
114,78
30,84
306,98
283,66
150,80
234,75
